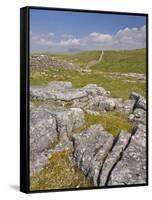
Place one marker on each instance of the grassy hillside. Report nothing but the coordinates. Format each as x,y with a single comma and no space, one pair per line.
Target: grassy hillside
123,61
60,173
82,58
113,61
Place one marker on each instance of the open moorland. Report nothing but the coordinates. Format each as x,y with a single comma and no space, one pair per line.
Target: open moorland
87,119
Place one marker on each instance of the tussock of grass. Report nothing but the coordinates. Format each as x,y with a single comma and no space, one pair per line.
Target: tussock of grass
59,173
113,122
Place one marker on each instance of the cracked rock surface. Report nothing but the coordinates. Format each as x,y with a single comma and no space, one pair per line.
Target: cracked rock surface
48,126
103,158
89,97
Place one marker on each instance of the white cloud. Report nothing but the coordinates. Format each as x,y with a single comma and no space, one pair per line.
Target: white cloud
70,42
127,38
99,37
41,39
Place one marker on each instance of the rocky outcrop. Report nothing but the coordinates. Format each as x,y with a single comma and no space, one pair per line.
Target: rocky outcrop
97,151
114,161
47,127
44,61
90,97
131,169
103,158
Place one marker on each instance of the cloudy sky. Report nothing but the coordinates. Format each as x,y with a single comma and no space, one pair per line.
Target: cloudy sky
73,31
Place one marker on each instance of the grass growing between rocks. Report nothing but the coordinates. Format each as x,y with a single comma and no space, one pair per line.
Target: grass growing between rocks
113,122
48,103
59,173
117,87
113,61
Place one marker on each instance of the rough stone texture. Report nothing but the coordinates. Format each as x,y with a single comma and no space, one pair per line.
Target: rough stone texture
140,100
58,90
90,150
47,126
114,161
101,103
42,134
90,97
102,158
131,169
114,156
138,116
44,61
126,106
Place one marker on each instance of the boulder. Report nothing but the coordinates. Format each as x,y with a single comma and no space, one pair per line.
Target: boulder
138,116
131,169
42,135
90,149
140,100
47,127
114,156
126,106
94,90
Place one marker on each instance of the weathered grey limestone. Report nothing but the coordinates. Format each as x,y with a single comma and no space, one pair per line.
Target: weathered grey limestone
48,126
101,103
140,100
104,159
126,106
58,90
44,61
42,134
90,149
94,90
131,169
138,116
114,156
90,97
98,160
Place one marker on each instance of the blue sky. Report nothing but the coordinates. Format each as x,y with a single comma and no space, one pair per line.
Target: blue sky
60,31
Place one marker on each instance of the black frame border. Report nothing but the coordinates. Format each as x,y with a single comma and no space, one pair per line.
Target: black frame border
25,100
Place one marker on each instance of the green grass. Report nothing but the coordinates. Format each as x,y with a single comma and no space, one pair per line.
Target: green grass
123,61
59,173
113,61
117,87
113,122
82,58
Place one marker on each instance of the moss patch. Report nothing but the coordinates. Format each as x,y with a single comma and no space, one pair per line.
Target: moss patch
113,122
59,173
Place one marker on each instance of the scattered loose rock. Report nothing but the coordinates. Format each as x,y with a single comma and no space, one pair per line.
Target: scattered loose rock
44,61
